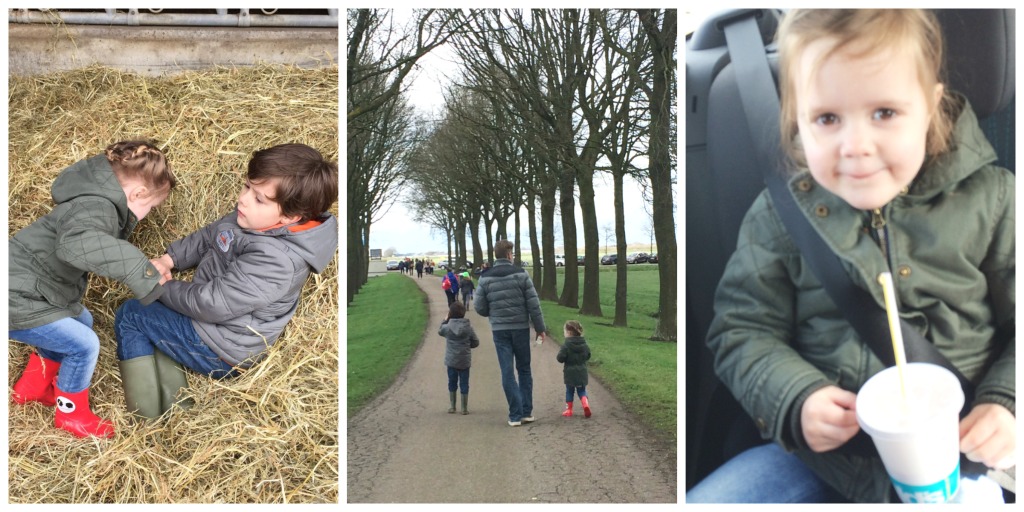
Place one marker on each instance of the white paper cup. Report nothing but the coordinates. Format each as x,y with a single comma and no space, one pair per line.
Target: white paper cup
919,442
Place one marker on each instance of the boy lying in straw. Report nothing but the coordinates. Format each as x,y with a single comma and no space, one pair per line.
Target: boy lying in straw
251,266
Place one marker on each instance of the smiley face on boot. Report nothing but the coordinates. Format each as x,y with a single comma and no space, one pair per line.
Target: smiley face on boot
64,405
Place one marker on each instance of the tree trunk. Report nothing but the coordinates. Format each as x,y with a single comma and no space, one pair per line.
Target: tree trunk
531,218
474,233
591,273
620,247
549,287
570,297
664,43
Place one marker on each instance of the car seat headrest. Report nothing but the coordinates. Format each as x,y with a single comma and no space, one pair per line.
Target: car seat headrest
980,56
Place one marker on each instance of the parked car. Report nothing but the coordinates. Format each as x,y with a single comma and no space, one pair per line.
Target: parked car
559,260
636,257
609,259
579,260
653,258
393,265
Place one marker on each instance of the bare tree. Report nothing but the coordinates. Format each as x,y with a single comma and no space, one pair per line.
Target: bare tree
660,26
379,119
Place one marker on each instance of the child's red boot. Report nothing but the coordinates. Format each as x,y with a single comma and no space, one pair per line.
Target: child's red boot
36,382
568,410
73,415
586,406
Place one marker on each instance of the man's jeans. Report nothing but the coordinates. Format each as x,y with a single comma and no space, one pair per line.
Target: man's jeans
140,329
513,348
70,342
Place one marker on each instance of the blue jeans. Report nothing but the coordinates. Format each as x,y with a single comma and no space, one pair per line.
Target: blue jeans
141,329
513,348
70,342
458,379
763,474
579,390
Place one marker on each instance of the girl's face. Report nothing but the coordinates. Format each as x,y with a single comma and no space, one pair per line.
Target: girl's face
863,121
141,199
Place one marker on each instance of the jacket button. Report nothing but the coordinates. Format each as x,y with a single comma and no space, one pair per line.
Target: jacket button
821,210
149,272
804,185
904,271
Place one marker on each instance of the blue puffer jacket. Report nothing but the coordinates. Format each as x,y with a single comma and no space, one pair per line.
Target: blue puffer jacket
506,296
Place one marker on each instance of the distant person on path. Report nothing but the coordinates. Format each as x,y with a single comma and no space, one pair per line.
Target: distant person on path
574,354
419,269
453,287
459,339
505,294
466,286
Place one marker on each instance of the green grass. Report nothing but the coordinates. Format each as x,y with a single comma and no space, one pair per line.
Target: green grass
380,342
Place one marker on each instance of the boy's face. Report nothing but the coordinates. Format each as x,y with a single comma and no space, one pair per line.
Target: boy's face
863,121
257,208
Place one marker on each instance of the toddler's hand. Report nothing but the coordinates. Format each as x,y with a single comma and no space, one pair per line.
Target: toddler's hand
988,435
828,418
163,265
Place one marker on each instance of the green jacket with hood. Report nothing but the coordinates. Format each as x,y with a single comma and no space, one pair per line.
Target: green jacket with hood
574,354
49,260
777,336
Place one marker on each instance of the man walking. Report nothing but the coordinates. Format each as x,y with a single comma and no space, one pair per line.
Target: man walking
506,296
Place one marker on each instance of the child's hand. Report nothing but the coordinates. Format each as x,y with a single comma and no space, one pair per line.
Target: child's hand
163,265
828,418
988,435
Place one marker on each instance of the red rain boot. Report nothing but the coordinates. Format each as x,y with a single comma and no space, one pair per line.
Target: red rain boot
36,382
73,415
586,406
568,410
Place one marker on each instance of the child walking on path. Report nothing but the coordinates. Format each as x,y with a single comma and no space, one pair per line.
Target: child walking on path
99,200
459,338
466,287
574,354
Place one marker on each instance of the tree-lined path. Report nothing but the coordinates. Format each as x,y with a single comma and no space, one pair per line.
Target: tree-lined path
404,447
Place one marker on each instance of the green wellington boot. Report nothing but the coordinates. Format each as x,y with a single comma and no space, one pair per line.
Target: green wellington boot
141,388
173,383
451,395
465,403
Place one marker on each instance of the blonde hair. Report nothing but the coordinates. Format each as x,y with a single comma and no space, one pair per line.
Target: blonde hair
141,160
574,327
873,30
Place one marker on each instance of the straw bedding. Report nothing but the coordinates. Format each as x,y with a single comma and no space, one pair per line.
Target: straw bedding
267,436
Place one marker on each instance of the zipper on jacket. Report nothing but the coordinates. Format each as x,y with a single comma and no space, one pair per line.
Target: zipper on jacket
881,232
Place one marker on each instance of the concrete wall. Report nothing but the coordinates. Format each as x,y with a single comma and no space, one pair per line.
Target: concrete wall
40,49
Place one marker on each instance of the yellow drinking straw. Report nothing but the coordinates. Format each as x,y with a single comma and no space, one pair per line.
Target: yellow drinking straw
885,279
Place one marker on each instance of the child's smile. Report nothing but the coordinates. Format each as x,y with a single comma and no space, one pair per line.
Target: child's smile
863,121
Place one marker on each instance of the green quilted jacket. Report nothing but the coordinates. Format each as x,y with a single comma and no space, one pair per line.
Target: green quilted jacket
777,336
49,260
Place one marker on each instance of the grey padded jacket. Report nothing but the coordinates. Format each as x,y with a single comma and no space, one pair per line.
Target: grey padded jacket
247,283
459,339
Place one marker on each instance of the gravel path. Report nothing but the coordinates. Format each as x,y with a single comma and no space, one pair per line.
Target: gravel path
404,447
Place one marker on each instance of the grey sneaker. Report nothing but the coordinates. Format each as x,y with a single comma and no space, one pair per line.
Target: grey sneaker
528,419
514,423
